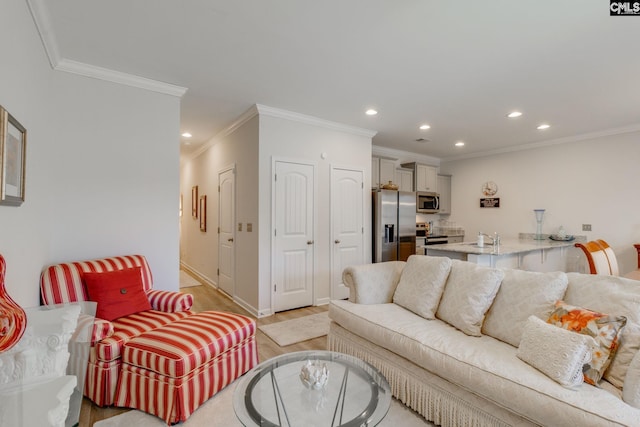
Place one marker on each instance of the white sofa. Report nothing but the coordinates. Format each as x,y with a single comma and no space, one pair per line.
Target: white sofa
454,378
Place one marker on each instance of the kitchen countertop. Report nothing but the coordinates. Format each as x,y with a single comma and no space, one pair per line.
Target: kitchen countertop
507,246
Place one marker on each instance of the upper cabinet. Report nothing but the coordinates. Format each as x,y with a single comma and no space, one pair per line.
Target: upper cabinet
404,179
382,171
425,177
444,188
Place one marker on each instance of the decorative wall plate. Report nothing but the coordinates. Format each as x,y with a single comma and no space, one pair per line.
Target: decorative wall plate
489,188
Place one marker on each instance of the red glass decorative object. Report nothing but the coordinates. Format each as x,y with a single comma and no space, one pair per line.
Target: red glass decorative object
13,319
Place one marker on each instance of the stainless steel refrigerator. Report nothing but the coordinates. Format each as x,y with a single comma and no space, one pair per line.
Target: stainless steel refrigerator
394,225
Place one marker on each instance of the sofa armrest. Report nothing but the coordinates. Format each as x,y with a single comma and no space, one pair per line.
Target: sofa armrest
170,301
101,328
373,283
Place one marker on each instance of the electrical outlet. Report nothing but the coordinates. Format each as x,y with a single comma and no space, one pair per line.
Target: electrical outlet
586,227
249,227
239,226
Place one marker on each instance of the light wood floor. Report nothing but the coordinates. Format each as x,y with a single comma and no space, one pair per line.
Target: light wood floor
207,298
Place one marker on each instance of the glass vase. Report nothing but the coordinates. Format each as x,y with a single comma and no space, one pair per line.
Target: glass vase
539,218
13,319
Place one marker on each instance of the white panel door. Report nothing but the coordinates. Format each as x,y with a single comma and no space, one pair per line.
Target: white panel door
293,235
226,221
347,223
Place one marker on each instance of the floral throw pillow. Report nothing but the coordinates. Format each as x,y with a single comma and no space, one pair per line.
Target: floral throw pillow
604,328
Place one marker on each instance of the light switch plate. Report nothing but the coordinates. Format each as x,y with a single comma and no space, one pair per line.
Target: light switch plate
239,226
249,227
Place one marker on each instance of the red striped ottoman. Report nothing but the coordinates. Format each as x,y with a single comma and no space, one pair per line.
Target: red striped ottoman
170,371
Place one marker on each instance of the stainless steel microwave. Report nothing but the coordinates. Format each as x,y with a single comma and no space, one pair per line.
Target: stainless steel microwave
427,202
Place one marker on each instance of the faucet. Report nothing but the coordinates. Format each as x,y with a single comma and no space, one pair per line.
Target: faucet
495,239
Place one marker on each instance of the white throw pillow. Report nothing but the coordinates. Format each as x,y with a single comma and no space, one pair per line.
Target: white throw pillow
422,283
628,346
631,389
556,352
468,294
521,294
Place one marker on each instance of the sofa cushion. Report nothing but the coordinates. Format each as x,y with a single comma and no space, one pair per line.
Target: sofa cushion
602,327
118,293
483,365
522,294
131,326
422,283
628,347
606,294
554,351
631,389
468,294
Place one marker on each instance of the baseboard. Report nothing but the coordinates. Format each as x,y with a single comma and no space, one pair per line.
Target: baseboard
199,275
323,301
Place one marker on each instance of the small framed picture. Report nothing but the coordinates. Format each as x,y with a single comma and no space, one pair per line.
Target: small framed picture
13,153
194,201
203,213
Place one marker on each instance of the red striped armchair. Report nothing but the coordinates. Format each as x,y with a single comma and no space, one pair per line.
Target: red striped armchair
63,283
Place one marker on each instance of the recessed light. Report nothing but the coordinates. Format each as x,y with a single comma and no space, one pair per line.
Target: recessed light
371,112
543,126
425,127
459,144
187,135
514,114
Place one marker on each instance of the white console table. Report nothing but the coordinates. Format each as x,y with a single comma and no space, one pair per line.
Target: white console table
36,387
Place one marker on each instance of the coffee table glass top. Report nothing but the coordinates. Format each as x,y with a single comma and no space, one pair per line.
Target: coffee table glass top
273,394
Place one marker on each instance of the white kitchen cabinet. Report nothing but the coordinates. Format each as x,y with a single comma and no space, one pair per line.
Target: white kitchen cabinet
426,178
387,171
444,188
404,179
382,171
375,173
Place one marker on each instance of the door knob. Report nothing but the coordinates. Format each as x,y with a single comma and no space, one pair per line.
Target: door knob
230,239
337,241
309,242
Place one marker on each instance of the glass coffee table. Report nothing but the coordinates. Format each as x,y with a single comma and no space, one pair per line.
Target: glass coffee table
274,394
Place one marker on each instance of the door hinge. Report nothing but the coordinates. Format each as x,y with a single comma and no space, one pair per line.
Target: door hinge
362,230
218,230
218,188
275,232
362,185
217,272
275,176
274,287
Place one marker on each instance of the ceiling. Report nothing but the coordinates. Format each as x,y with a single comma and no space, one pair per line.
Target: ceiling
458,66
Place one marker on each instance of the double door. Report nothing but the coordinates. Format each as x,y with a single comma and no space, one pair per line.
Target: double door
296,272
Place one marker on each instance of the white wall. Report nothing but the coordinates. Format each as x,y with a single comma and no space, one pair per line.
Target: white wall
93,188
594,181
295,139
199,250
251,143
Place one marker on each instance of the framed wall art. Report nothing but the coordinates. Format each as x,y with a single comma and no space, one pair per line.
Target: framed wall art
13,153
194,201
203,213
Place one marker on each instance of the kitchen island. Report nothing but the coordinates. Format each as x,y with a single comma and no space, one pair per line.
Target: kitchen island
523,253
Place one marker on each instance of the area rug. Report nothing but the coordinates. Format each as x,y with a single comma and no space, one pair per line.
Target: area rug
297,330
218,412
187,281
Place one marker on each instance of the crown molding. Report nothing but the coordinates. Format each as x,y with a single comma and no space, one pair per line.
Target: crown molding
126,79
310,120
242,119
548,143
40,15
